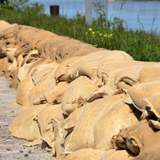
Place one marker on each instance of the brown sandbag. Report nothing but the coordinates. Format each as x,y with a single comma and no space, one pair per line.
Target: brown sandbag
89,68
135,137
44,122
22,115
53,95
41,72
121,115
60,72
127,77
80,89
92,56
28,129
23,90
107,70
102,92
151,148
152,108
83,135
2,52
10,54
85,154
23,71
150,73
113,154
69,49
138,92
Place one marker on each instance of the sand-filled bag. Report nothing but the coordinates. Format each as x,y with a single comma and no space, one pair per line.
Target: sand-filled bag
140,91
113,154
80,89
135,137
127,77
41,72
92,56
150,73
109,69
23,90
53,95
44,119
28,127
121,115
60,72
83,135
85,154
69,49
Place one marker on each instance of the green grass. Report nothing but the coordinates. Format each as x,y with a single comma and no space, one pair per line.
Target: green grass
141,45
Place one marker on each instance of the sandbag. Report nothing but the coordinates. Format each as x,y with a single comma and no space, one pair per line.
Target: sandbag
40,73
28,128
10,54
83,136
113,154
150,73
44,119
133,137
92,56
85,154
23,90
121,115
127,77
53,95
80,89
89,68
139,92
60,72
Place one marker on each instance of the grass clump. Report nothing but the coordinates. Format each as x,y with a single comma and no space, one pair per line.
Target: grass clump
141,45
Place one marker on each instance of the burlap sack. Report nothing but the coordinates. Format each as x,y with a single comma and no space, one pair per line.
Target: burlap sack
44,119
22,115
138,92
23,71
41,72
53,95
135,137
92,56
23,90
69,49
60,72
127,77
150,73
102,92
107,70
10,54
85,154
152,109
80,89
31,57
83,136
121,115
28,127
113,154
89,68
2,52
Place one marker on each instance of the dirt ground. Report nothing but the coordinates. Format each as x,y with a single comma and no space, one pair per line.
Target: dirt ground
12,148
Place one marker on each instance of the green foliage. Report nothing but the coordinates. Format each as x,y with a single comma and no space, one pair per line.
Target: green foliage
141,45
23,6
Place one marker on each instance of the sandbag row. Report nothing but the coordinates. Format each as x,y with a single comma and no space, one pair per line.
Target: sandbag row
78,101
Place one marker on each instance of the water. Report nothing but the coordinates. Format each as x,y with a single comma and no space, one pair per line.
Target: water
145,10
